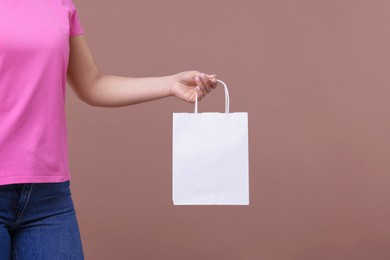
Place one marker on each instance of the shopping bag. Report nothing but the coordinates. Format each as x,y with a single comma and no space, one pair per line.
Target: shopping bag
210,157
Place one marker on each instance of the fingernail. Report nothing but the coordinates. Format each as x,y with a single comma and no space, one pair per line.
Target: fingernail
197,78
202,75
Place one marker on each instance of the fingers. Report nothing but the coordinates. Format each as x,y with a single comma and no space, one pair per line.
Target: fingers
200,94
214,83
199,81
206,82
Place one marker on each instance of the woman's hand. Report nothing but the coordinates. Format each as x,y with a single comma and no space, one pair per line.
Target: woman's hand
187,83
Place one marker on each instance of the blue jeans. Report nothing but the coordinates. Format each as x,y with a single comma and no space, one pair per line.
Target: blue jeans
38,221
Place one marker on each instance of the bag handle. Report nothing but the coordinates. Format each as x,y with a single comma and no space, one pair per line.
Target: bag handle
227,100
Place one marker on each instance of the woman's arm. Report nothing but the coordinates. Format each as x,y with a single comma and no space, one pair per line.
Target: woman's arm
113,91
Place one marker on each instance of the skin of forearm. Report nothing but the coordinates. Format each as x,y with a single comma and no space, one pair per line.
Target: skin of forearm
118,91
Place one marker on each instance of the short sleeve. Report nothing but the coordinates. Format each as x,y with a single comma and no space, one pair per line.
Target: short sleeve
74,23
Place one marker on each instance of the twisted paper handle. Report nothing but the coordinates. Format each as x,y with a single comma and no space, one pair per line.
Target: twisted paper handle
227,100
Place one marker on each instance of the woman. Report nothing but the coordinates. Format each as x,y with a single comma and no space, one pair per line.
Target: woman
42,46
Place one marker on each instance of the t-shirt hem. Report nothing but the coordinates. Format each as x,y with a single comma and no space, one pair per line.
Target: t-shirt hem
33,179
76,32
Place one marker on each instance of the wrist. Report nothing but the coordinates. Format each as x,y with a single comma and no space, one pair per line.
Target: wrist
171,83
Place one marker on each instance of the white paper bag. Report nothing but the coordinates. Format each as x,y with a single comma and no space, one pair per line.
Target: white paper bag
210,157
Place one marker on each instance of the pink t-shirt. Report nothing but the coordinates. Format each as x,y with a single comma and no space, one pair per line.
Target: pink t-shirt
34,54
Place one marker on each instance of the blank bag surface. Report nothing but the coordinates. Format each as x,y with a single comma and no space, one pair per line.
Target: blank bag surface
210,157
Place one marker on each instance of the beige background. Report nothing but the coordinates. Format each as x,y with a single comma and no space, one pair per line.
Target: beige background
313,77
